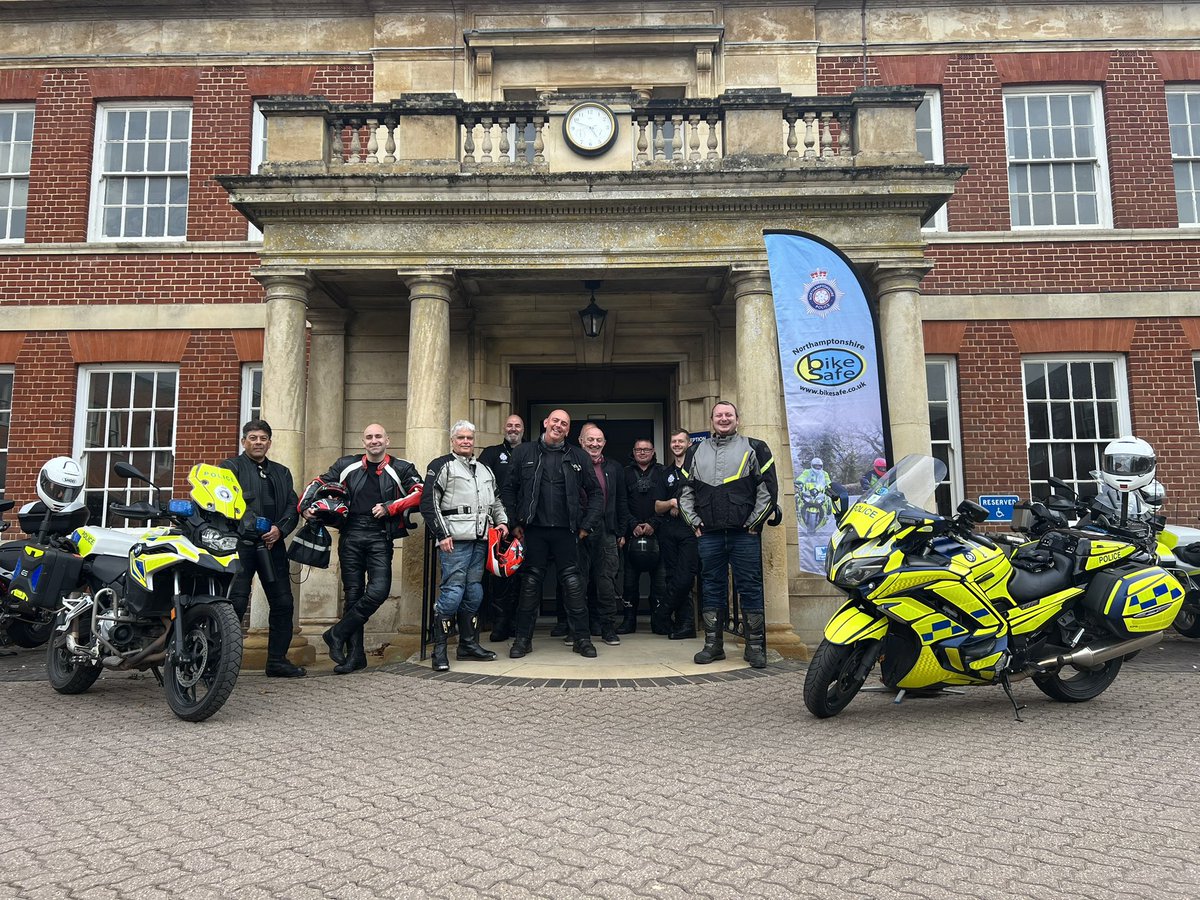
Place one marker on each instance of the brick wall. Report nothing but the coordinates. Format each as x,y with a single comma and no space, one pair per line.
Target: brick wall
1139,143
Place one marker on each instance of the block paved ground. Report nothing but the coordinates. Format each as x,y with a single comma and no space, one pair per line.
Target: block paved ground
383,784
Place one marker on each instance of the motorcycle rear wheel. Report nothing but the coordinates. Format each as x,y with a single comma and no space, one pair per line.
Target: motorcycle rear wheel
1187,623
1080,685
27,634
199,684
832,680
66,674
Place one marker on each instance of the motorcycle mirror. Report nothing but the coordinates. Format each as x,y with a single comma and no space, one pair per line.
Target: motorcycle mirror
6,505
1060,504
1062,486
125,470
972,511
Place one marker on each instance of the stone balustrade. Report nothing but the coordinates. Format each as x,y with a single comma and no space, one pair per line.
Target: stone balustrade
443,133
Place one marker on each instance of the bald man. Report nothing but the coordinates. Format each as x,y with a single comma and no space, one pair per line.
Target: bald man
553,501
378,486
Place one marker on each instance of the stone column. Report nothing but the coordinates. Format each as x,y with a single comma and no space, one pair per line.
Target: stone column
318,596
761,415
283,395
898,290
427,422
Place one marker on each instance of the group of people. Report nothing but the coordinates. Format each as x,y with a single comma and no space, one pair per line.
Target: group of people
566,504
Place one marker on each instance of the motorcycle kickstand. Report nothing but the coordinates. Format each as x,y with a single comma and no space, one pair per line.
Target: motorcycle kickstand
1004,683
157,675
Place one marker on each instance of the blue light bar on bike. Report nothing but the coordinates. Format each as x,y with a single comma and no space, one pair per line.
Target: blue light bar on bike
185,508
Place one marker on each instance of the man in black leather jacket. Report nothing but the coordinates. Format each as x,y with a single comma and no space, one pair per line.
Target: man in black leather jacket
502,592
553,501
268,490
381,488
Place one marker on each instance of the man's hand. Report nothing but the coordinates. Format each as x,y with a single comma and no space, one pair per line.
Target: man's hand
379,510
621,543
271,538
518,534
582,535
307,514
446,544
503,529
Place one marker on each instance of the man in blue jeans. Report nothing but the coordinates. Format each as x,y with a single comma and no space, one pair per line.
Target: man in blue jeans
460,502
730,490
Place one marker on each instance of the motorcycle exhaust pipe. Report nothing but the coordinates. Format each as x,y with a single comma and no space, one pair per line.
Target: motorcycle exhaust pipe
142,657
1097,654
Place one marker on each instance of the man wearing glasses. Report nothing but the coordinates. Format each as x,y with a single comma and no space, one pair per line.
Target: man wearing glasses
645,484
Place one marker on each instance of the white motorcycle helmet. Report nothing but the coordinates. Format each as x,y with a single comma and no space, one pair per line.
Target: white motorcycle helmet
816,463
1128,464
60,483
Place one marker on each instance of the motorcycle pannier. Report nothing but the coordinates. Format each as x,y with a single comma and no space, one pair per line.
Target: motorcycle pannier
1134,599
44,575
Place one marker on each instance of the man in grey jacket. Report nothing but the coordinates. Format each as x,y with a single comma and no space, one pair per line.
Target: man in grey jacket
730,490
460,502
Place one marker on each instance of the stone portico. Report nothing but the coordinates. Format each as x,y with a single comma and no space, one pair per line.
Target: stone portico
434,246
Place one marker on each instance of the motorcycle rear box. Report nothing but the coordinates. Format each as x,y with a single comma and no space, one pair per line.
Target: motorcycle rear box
1134,599
44,575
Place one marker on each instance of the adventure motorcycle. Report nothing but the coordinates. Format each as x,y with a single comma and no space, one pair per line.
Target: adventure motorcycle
157,597
938,604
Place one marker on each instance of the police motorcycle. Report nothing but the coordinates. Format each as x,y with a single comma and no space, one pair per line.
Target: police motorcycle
938,604
157,597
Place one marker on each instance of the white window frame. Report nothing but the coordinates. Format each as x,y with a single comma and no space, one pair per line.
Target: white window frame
1098,162
13,177
258,155
100,177
1121,382
1185,151
9,373
116,489
949,366
248,411
1196,376
933,102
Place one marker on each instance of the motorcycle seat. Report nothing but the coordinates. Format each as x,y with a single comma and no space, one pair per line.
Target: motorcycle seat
1189,555
1027,585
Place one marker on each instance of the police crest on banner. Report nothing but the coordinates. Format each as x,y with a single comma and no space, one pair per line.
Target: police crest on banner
832,380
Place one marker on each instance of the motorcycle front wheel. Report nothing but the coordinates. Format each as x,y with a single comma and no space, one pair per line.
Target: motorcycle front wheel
200,681
29,634
66,674
1187,623
835,675
1071,685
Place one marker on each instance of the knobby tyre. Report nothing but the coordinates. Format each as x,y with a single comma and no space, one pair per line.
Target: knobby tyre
199,682
834,676
1071,685
66,674
28,634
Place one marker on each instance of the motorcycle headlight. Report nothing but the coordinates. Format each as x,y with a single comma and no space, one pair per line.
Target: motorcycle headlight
856,571
216,541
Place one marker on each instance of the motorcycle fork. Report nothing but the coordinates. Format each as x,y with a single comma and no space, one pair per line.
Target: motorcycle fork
177,616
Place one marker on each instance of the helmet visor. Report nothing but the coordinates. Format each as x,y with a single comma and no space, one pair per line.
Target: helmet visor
1128,464
59,493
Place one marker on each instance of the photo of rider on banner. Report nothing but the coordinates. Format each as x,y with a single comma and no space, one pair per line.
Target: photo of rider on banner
833,383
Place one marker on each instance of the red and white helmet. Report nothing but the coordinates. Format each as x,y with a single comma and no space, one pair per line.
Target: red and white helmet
328,500
504,557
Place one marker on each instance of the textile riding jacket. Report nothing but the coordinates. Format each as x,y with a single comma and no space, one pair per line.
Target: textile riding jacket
520,490
460,500
730,484
397,477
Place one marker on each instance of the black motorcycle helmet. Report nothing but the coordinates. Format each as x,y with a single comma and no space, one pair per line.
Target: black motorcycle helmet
642,553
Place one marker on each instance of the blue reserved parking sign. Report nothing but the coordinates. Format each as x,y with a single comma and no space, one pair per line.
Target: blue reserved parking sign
999,506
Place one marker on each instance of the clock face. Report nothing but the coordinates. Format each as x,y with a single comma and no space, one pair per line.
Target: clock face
590,128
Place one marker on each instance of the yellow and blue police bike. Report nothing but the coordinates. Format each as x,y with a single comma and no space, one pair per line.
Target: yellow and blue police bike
937,604
149,597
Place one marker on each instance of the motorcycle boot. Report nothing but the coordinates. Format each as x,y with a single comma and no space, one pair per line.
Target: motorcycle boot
441,631
756,640
468,639
714,638
283,668
629,622
528,601
356,658
683,618
575,603
336,639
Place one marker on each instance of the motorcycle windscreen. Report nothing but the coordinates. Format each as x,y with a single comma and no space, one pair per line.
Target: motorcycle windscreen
217,490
